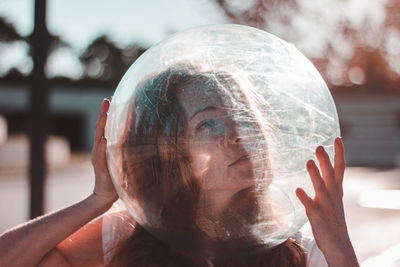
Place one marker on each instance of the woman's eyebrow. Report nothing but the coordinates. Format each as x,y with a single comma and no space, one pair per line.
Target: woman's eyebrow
207,108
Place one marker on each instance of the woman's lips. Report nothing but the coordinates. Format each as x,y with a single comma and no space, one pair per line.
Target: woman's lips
242,159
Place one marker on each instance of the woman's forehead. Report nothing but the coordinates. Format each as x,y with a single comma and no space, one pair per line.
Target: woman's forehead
198,95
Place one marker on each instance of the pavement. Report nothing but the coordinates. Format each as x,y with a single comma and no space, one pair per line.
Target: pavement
372,204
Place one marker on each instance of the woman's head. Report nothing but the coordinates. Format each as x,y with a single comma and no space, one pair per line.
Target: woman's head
189,150
220,158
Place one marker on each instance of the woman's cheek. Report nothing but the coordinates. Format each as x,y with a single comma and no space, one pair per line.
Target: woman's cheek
206,163
201,164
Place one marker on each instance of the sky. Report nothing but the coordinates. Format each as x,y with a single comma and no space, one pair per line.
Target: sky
125,21
80,21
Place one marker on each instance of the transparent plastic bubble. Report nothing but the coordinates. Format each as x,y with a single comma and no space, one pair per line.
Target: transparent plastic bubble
208,136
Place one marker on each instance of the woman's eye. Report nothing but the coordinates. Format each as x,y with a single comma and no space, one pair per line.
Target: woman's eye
207,125
211,127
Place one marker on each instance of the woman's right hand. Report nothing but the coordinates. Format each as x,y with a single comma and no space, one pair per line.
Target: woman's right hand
64,237
104,189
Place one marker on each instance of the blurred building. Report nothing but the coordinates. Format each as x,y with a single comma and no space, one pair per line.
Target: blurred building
74,110
370,126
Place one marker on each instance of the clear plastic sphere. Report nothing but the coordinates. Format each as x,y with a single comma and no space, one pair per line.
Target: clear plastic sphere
208,136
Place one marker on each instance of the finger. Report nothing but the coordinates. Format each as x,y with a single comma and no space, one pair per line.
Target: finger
304,198
101,121
326,168
316,179
339,163
107,104
102,159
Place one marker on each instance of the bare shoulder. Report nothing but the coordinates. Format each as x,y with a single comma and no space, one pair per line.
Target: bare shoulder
85,247
121,218
117,228
313,253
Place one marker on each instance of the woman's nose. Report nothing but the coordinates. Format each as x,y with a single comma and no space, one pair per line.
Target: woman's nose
232,139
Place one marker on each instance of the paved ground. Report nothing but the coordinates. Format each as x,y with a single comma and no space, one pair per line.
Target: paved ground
375,231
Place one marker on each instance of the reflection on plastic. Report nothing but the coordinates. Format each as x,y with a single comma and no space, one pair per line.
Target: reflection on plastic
209,133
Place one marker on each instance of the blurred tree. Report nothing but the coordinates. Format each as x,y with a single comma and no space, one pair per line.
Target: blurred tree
103,60
8,33
15,74
259,13
131,53
56,42
351,42
9,36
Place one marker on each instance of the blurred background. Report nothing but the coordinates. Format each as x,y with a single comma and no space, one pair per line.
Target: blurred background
59,59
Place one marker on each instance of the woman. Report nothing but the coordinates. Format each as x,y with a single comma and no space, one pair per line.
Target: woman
187,161
183,148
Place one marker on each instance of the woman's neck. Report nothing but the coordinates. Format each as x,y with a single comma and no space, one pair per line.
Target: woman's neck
212,203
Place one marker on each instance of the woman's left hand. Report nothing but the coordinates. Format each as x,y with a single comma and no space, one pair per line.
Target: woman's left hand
325,212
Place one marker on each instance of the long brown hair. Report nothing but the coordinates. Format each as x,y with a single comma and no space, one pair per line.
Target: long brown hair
143,249
161,180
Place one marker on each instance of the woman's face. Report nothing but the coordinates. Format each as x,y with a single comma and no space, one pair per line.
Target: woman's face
220,157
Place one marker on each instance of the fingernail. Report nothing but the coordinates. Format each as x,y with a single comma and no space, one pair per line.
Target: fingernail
320,149
310,163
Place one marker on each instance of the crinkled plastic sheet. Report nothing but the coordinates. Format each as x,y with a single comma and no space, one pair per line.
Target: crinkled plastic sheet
223,182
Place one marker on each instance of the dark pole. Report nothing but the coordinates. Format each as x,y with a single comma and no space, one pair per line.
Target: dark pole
40,43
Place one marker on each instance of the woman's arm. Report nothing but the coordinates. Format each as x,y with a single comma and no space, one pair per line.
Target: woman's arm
325,212
40,240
